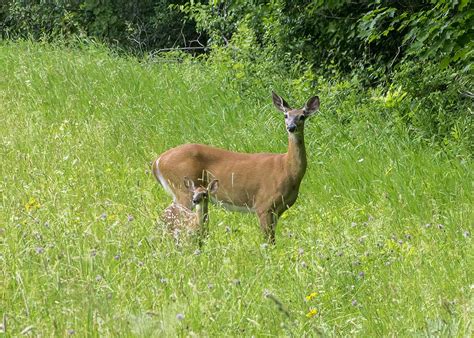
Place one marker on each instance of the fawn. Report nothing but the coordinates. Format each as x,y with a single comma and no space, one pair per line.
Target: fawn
181,219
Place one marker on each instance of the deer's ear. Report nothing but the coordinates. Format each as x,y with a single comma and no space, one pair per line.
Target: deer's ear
311,106
189,184
280,103
213,186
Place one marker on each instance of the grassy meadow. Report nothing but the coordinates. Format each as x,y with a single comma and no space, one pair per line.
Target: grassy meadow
379,242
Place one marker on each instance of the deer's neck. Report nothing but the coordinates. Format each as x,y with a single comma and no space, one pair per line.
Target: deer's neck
296,156
201,213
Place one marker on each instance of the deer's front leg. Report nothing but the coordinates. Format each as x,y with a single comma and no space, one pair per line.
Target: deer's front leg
268,221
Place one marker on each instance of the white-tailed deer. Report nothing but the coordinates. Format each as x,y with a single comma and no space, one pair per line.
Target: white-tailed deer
264,183
180,219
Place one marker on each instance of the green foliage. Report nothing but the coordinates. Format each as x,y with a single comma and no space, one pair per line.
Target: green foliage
38,18
438,105
418,50
346,35
333,35
134,26
379,242
439,31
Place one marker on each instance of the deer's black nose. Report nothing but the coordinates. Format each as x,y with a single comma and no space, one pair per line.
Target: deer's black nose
291,128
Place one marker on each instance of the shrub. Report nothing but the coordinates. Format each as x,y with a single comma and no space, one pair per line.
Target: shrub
436,104
135,26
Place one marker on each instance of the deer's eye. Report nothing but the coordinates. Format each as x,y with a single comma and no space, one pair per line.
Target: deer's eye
302,117
286,116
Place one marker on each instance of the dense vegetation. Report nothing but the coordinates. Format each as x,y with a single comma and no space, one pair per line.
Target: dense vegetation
344,33
132,25
380,239
419,53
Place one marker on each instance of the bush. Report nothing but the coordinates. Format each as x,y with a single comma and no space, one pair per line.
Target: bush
133,26
437,104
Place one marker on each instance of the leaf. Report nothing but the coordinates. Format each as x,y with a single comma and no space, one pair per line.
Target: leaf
445,62
462,4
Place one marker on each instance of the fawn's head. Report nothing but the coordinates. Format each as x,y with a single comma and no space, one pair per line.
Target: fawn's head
201,194
294,118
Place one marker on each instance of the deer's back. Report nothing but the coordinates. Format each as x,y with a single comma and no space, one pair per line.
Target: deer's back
243,178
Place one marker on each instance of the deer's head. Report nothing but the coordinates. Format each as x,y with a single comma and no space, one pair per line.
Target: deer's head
201,194
294,118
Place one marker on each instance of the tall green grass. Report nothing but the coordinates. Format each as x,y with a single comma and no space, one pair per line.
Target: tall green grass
381,231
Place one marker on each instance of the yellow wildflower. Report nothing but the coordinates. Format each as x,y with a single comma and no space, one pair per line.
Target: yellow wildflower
312,312
32,204
312,295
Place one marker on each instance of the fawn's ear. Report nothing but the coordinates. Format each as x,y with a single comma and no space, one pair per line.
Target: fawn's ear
212,187
280,103
189,184
311,106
